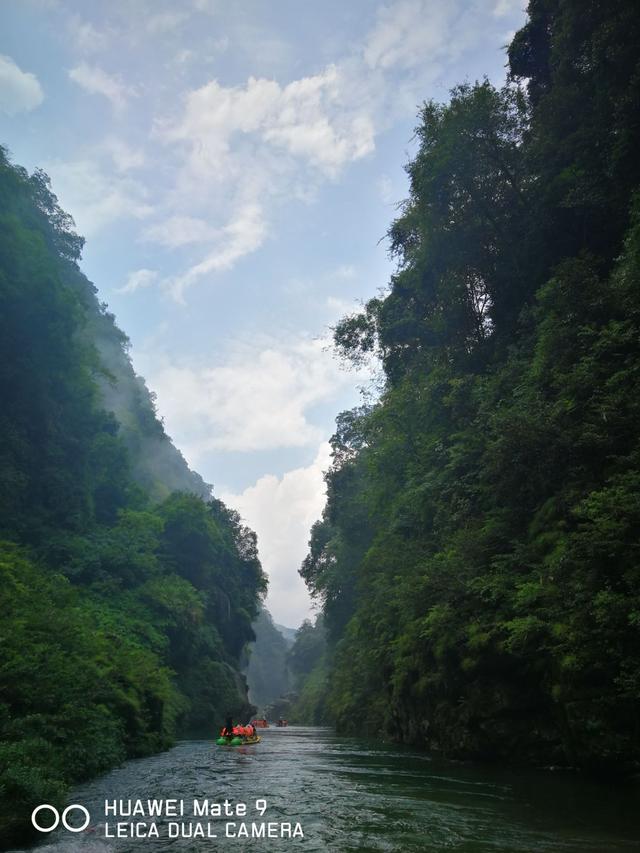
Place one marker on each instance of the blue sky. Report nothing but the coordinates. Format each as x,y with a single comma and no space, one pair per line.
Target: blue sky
233,167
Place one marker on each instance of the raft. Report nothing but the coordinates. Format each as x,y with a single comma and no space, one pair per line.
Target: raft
237,740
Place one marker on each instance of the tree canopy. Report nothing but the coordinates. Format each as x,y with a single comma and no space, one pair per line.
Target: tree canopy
127,591
477,559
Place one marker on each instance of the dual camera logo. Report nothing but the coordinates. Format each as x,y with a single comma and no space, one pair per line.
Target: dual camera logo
54,818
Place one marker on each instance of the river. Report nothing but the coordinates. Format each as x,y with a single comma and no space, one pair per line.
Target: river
353,795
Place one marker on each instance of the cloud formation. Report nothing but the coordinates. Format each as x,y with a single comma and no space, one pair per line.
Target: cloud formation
125,157
86,38
252,145
410,33
95,81
180,231
231,155
258,399
96,197
20,91
258,144
137,280
281,510
308,119
242,235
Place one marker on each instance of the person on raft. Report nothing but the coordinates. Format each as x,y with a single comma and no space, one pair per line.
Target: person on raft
243,731
228,728
230,731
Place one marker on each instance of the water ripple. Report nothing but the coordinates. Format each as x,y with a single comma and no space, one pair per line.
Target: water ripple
357,796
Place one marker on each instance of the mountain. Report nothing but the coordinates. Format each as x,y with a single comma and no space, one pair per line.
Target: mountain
477,559
267,670
288,633
127,591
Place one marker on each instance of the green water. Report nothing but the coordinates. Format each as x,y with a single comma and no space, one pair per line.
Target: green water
357,795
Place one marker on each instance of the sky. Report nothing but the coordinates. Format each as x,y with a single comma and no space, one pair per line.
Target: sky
234,167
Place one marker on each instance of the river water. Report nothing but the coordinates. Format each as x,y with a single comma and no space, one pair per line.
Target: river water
351,795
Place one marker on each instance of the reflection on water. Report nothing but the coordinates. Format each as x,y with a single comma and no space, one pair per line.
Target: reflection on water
354,795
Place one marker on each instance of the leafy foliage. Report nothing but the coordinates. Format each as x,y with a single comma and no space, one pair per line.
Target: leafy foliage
306,662
477,561
125,605
267,669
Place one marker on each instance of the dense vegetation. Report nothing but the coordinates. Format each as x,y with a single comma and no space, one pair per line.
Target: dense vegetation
127,592
267,671
478,561
287,677
309,669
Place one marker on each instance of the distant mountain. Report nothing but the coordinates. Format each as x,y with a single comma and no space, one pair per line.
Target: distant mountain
288,633
266,671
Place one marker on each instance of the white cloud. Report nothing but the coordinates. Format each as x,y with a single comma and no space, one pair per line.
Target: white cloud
506,7
233,154
20,91
409,33
281,510
258,399
338,308
242,235
138,279
97,198
305,118
180,231
125,157
86,38
267,142
94,80
244,148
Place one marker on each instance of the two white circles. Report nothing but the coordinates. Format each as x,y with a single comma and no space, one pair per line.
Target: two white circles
58,818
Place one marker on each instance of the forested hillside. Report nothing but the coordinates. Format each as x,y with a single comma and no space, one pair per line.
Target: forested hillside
267,671
309,668
478,561
127,591
288,678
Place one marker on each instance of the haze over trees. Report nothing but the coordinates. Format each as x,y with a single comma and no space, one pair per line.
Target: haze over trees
478,559
127,591
267,669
